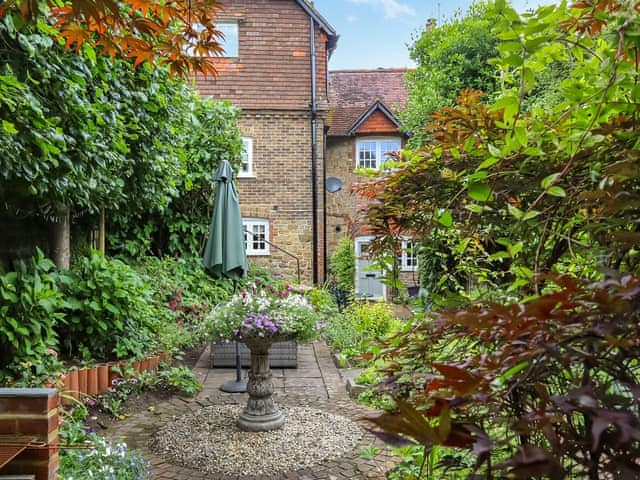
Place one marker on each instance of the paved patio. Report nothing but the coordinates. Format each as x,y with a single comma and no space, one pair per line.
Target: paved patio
315,383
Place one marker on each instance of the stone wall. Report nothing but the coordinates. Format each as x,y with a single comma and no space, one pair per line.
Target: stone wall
281,189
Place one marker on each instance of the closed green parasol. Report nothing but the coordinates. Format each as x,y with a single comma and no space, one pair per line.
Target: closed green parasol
224,253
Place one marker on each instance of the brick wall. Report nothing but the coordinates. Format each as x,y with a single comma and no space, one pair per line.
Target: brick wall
343,207
31,412
270,81
281,191
273,67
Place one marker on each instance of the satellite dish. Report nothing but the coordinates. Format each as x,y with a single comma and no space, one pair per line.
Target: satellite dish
333,184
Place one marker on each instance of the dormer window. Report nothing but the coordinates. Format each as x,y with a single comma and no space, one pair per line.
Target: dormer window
373,152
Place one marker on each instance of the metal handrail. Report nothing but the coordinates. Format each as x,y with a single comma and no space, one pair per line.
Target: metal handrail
278,248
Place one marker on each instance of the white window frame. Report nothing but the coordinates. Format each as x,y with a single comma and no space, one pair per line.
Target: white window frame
248,225
247,154
379,154
408,256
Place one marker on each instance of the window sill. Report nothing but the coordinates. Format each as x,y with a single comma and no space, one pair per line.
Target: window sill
247,176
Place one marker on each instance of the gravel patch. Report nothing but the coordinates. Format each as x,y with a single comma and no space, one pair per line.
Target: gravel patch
209,440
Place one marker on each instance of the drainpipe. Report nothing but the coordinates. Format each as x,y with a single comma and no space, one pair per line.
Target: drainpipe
314,151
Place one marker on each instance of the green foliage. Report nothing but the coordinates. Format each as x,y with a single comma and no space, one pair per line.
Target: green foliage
93,133
523,187
181,379
105,459
343,264
109,310
527,191
183,293
353,332
322,301
30,311
207,133
449,58
82,130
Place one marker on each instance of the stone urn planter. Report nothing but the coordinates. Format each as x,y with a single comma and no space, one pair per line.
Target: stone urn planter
261,413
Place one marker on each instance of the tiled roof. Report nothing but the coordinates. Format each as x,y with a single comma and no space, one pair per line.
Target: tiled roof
353,92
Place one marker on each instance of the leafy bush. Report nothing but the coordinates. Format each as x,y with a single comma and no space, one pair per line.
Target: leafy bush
30,310
109,310
547,387
343,264
352,332
181,379
322,301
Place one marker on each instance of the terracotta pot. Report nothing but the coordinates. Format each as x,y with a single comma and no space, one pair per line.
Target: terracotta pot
153,362
136,365
103,377
70,386
144,365
92,381
82,381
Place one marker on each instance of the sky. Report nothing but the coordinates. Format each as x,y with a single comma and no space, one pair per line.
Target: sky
376,33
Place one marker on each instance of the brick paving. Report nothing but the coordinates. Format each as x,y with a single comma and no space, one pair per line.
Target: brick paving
315,383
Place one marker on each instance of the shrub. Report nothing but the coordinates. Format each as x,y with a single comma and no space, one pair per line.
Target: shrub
352,332
30,310
343,264
109,310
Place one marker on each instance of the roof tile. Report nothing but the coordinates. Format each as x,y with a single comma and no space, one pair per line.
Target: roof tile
353,92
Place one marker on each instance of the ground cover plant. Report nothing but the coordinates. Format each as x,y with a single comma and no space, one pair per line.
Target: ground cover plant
534,206
85,454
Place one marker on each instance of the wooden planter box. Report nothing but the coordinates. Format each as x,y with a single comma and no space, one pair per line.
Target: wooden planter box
281,355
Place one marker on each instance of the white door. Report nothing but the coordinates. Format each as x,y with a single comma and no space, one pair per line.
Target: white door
368,279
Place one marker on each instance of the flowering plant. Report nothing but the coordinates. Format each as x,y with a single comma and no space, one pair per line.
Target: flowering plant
264,311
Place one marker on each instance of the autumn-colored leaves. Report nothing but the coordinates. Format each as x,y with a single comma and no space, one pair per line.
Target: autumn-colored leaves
180,34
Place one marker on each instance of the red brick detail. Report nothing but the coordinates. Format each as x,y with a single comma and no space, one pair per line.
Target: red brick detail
37,426
273,68
378,123
36,415
26,405
8,426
